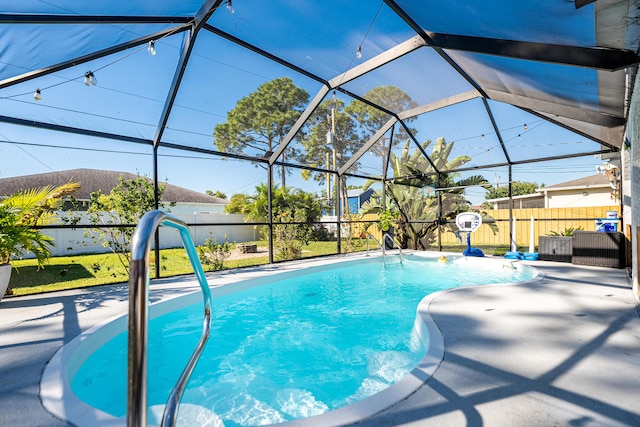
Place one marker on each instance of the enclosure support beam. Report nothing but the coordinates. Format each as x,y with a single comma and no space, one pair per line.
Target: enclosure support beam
14,18
156,203
550,119
90,57
576,56
298,124
419,146
358,71
363,150
338,214
583,115
439,216
542,159
187,46
264,53
428,42
270,210
441,103
201,18
384,58
73,130
496,130
512,236
386,156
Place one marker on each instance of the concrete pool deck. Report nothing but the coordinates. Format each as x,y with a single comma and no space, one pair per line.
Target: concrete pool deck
564,350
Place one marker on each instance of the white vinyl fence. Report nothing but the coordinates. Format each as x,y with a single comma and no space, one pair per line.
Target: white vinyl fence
73,241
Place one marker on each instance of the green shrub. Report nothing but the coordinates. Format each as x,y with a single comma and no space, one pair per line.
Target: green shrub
567,232
213,254
290,234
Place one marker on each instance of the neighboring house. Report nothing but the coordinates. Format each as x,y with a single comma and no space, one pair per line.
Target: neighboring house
594,190
527,201
356,197
92,180
190,206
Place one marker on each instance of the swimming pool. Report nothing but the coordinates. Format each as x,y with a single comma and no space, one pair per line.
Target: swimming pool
303,343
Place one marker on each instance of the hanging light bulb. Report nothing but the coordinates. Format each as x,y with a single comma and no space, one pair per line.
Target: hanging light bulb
519,136
37,95
483,136
152,48
488,151
359,52
90,79
526,127
230,9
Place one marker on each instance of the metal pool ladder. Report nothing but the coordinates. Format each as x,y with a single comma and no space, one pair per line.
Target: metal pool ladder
385,236
138,319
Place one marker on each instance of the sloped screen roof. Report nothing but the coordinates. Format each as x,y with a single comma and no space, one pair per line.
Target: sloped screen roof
554,61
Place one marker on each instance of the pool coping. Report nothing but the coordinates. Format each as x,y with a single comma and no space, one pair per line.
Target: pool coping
58,398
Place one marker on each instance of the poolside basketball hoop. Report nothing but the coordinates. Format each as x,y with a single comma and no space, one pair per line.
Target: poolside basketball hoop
429,190
468,222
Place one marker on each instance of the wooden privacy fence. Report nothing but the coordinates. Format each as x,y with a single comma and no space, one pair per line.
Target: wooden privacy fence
361,229
546,220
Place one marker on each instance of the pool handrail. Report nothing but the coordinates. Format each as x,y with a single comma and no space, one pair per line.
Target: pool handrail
371,236
387,236
138,318
381,246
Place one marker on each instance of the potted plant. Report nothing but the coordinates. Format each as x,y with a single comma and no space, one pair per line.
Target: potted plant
19,213
386,220
557,246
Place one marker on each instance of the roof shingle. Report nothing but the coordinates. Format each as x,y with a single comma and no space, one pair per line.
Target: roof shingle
596,180
95,179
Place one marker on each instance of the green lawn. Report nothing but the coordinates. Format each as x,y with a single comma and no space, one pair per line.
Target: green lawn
80,271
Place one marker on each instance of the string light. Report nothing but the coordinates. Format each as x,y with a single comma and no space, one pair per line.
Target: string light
152,48
359,51
526,127
230,9
519,136
90,79
483,136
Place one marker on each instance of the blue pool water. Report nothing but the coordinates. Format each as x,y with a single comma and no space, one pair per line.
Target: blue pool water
299,346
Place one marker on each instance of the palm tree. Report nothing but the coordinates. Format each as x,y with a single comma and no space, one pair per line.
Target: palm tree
404,195
20,212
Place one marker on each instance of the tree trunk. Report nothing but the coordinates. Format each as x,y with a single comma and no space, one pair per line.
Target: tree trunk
345,197
283,173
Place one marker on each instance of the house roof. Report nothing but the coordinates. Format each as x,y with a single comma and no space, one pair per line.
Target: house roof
596,180
354,192
520,197
593,181
94,180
